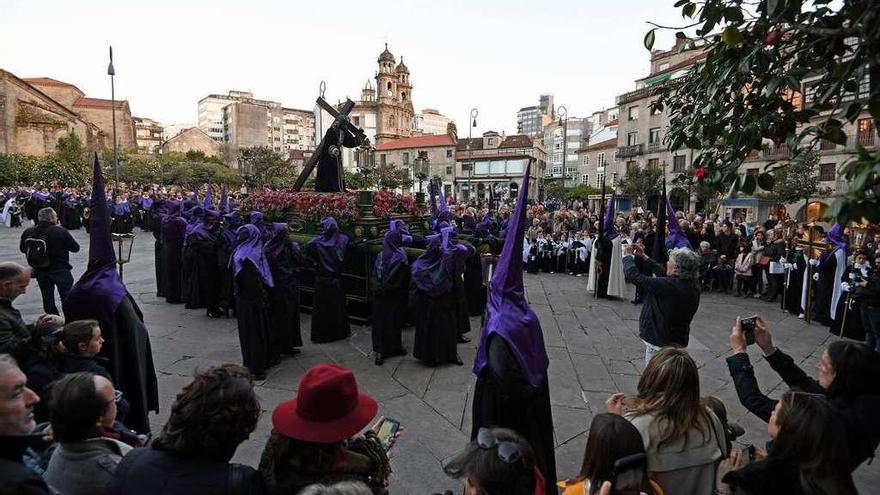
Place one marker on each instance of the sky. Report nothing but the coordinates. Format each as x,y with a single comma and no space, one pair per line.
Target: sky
497,56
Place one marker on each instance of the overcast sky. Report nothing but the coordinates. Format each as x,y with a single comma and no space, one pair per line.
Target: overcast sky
497,56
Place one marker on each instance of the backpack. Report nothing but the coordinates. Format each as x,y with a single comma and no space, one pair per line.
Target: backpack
36,251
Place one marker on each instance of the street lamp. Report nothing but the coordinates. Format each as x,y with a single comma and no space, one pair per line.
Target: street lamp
473,123
421,168
563,122
124,243
112,72
160,150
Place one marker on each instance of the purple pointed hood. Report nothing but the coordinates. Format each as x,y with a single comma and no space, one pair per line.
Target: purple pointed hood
507,313
97,294
330,245
208,204
231,223
610,230
676,238
224,199
837,240
392,253
250,248
195,194
433,270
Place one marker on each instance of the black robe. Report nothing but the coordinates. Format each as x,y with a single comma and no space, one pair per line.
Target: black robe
603,263
390,312
284,327
172,254
436,337
70,218
825,290
121,224
473,284
250,310
157,256
462,316
225,295
504,398
793,294
848,314
201,280
533,262
329,317
127,347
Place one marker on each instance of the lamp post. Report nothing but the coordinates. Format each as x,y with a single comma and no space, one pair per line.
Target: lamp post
474,113
160,150
124,243
421,168
563,122
112,72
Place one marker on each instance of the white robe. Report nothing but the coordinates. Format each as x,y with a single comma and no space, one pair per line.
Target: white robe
592,277
6,216
616,279
840,255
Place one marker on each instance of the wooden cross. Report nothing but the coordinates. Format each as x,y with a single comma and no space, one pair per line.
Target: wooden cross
809,246
342,124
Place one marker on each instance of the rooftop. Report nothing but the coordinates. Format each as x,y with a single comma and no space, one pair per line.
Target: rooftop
85,101
427,141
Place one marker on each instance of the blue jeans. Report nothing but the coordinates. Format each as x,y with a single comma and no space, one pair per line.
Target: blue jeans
47,282
871,322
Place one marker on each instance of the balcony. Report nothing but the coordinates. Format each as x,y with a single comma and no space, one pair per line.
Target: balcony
629,151
776,151
655,147
643,93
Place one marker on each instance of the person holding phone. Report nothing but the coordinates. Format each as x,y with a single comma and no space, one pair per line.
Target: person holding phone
849,376
314,440
614,453
805,457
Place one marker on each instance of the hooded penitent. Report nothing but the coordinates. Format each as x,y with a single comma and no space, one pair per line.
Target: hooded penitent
224,200
392,248
432,272
208,204
330,245
507,313
99,290
837,240
609,229
250,248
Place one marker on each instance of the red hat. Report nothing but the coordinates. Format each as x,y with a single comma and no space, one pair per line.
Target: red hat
327,409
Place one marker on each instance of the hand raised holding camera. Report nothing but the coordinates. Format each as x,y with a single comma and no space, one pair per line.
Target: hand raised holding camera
737,338
763,337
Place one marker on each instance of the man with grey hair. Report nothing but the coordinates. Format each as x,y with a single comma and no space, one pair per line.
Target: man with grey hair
17,403
670,301
46,247
15,335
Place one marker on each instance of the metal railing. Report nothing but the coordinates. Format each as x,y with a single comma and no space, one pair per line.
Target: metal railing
628,151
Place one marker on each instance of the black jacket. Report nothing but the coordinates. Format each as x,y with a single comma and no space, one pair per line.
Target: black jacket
148,471
59,243
771,477
869,295
15,477
858,414
670,304
15,335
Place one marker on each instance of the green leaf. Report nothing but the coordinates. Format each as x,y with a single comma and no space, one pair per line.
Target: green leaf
688,10
680,35
748,184
733,14
679,3
835,135
853,111
766,181
649,39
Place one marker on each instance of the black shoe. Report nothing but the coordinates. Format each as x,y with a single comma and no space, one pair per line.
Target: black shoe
458,360
379,359
463,340
260,376
637,301
293,351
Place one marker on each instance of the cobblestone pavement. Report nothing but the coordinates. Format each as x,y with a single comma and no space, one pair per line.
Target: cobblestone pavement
593,346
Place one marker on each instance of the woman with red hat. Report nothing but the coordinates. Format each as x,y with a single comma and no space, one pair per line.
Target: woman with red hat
313,436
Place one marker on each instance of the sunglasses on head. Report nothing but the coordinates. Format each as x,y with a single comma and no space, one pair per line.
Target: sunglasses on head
508,452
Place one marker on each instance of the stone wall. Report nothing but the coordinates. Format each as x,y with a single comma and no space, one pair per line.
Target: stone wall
193,139
101,116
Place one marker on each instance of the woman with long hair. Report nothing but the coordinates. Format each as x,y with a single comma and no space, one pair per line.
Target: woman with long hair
497,462
683,439
611,438
806,456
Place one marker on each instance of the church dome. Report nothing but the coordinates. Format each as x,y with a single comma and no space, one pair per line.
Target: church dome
368,86
401,67
386,56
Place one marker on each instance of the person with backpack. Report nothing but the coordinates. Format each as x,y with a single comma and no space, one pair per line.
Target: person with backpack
47,246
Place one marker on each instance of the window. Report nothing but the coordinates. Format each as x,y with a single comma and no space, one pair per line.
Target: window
586,159
356,120
653,163
448,153
405,158
634,112
585,179
403,96
600,178
827,171
632,138
382,159
481,168
448,170
632,165
865,132
600,160
654,135
678,163
614,180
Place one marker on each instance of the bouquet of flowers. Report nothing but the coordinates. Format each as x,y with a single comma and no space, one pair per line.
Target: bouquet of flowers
280,204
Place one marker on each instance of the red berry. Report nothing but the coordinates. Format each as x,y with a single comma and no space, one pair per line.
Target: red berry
700,173
772,38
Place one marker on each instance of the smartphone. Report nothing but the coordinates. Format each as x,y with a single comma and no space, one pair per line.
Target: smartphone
749,453
748,328
628,474
386,431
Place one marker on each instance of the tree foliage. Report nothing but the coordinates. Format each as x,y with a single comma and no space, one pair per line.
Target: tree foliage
799,180
267,167
554,189
641,183
581,192
355,179
390,176
763,58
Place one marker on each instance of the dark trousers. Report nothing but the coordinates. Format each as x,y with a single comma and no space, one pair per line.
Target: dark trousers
48,281
871,322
